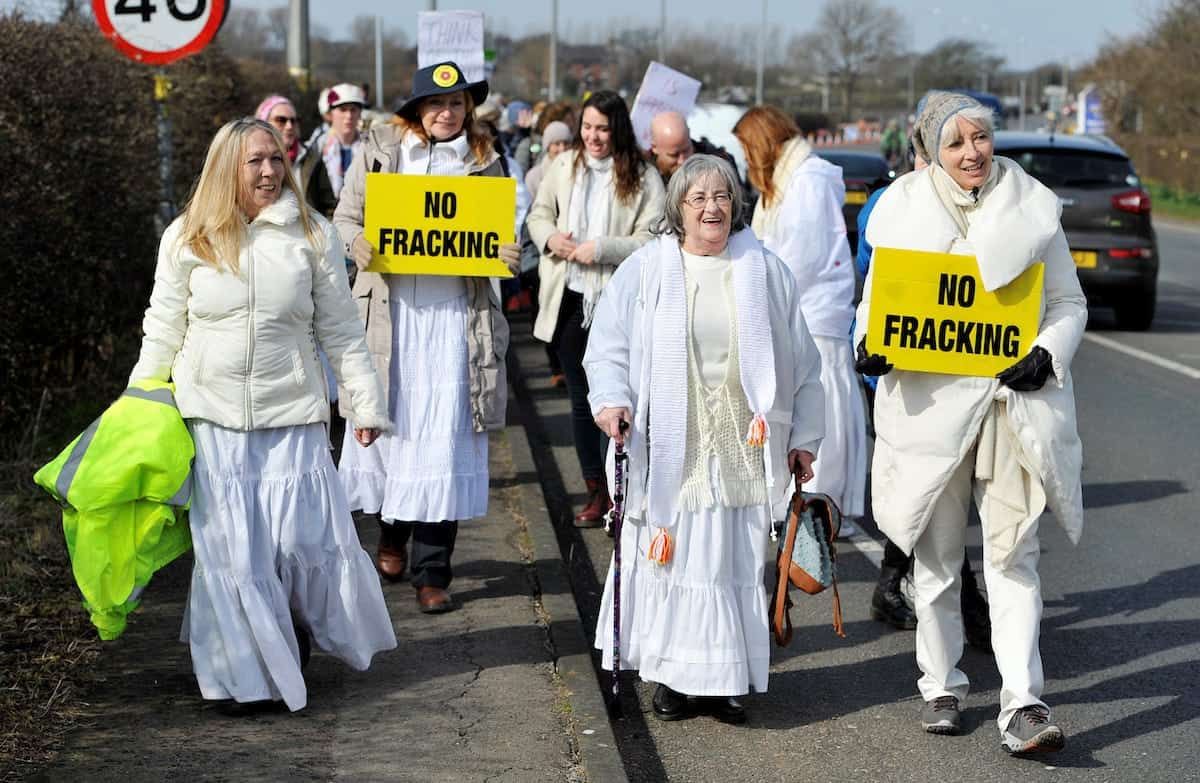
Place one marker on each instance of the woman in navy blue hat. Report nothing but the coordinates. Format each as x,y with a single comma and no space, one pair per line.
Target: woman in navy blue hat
438,343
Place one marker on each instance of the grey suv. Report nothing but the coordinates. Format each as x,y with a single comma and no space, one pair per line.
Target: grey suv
1106,216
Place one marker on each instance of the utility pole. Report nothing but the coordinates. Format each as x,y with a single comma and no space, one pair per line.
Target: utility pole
552,90
1022,114
762,47
297,43
662,31
379,63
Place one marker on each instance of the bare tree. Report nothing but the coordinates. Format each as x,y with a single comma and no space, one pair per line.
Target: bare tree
850,39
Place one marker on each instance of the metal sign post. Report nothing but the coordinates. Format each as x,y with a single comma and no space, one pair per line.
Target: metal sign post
158,34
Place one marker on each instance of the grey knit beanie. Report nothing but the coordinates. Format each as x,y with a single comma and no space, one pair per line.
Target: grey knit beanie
555,131
933,112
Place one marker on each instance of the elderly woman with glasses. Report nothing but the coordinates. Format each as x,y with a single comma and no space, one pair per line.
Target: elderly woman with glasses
701,364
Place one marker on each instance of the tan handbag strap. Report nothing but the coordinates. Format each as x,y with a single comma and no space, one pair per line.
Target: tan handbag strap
781,623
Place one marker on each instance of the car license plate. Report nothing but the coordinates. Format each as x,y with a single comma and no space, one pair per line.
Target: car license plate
1084,259
856,197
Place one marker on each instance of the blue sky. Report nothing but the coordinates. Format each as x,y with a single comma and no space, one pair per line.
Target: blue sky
1026,32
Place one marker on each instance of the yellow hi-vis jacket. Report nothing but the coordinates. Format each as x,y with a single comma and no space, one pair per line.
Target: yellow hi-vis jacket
125,485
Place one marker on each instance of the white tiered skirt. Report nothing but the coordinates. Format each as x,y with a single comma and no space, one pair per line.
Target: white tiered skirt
274,544
433,466
699,623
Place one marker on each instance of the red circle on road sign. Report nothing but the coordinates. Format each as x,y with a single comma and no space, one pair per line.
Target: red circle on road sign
216,15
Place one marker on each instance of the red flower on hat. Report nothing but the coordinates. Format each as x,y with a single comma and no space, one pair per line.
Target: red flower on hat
333,97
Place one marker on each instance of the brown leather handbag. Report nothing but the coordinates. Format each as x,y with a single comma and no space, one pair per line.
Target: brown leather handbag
807,559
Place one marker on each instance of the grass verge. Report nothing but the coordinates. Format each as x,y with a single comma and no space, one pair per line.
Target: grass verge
1171,203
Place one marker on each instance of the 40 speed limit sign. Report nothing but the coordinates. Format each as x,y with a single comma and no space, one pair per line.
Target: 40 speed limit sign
157,32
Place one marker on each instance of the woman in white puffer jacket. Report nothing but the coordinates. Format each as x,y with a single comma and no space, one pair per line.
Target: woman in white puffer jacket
249,282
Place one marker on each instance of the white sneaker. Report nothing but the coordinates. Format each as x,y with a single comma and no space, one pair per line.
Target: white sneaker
848,528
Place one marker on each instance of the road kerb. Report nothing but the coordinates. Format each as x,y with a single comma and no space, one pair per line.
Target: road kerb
597,744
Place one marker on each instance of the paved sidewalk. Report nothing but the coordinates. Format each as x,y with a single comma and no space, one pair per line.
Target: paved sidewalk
500,690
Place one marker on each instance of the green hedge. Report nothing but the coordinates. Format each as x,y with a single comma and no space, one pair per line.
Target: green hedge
79,156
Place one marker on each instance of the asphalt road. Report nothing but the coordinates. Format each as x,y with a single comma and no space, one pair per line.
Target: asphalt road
1120,636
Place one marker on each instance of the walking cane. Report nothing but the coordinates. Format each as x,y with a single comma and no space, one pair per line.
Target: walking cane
616,517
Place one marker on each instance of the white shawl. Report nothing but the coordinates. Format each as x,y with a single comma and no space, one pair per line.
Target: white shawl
668,365
795,152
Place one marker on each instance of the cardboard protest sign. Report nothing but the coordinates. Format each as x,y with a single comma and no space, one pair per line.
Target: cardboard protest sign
930,313
428,225
451,35
663,89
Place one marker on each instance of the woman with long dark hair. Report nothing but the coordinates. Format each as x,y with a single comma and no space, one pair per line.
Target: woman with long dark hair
594,208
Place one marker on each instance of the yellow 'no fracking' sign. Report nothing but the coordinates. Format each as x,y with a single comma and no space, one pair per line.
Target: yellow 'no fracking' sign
930,313
431,225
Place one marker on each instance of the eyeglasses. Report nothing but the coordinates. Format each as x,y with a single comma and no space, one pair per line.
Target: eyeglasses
281,121
698,200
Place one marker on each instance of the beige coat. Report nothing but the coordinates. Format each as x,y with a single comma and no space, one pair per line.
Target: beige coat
628,229
487,329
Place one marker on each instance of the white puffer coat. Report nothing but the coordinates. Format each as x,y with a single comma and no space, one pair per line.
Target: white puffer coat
927,423
242,348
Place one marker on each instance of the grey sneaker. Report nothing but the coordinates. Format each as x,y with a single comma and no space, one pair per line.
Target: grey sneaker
1030,731
940,716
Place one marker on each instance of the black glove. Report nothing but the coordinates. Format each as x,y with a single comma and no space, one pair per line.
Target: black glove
1030,373
873,364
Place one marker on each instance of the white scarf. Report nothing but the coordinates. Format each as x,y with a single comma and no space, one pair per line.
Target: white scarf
668,360
1010,228
587,218
795,152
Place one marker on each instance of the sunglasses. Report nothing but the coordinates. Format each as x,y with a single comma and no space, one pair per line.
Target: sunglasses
281,121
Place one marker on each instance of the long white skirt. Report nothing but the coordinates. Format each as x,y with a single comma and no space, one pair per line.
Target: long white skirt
841,467
433,466
697,624
273,541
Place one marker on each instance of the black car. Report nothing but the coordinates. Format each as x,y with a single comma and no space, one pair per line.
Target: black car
1106,217
863,173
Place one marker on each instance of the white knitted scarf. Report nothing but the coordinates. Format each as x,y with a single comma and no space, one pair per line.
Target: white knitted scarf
588,219
668,365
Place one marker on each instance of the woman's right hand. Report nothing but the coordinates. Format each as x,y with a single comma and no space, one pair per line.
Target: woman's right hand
562,245
362,252
610,420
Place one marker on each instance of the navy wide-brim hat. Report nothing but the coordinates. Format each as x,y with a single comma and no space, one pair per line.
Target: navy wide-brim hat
440,79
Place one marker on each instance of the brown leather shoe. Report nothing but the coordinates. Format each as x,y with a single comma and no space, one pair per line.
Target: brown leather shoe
434,600
597,506
392,557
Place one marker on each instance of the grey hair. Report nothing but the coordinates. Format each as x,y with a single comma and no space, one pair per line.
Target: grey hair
979,116
693,170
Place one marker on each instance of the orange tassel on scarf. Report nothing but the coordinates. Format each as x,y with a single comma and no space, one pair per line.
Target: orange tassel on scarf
661,548
757,436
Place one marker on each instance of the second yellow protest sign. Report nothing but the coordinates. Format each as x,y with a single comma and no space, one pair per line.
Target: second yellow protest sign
930,313
431,225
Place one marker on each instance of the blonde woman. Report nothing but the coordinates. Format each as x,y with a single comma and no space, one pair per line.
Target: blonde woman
249,283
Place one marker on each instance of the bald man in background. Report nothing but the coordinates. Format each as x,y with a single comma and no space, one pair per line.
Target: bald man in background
671,144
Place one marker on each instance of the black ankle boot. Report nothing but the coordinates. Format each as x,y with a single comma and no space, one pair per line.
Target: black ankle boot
888,604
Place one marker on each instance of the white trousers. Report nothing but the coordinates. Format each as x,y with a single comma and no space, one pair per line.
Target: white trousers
1014,596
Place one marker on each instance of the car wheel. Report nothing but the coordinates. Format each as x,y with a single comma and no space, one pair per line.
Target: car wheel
1136,313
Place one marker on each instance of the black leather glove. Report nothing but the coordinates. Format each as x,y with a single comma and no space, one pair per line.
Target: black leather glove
1030,373
871,364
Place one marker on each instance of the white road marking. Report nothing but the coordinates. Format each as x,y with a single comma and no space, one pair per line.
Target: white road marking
866,546
1146,356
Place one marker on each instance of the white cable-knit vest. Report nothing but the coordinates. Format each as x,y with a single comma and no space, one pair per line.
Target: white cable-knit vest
717,418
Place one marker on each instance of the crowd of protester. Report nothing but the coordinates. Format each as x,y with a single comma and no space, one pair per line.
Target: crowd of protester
701,317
